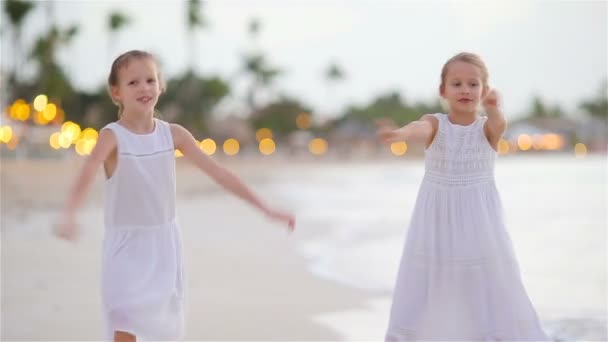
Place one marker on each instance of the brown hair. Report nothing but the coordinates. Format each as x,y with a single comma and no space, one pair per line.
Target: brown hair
123,61
466,57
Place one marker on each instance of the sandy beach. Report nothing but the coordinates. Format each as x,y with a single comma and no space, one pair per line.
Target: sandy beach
332,280
245,280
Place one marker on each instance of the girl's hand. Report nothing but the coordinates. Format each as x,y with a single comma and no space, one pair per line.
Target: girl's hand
387,132
283,217
66,228
491,101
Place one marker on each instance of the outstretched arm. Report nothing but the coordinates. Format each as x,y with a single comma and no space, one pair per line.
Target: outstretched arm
422,131
496,124
185,142
67,227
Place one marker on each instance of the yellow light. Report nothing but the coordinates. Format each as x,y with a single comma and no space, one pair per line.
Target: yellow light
267,146
23,111
50,112
178,153
553,141
208,146
14,110
503,146
89,145
54,140
85,146
71,131
303,121
40,102
39,119
60,116
6,134
318,146
263,133
524,142
80,147
231,147
398,148
89,134
64,141
580,150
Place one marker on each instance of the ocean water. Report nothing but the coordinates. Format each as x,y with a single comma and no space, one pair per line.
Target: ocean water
556,213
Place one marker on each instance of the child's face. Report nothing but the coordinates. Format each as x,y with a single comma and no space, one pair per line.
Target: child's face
463,87
138,86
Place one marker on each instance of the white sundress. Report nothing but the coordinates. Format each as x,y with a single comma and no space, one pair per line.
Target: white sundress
142,277
459,279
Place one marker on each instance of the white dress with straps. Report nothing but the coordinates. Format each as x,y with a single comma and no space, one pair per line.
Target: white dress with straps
142,273
459,278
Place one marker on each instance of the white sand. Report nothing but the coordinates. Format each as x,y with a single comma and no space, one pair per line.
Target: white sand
245,280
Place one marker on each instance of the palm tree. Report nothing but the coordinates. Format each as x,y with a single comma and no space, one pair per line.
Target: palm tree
195,20
17,10
116,22
333,75
256,65
598,105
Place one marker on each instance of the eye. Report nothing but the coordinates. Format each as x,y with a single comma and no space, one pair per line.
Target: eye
457,84
151,80
132,82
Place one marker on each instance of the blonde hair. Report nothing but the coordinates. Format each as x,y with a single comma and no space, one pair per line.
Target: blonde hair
466,57
123,61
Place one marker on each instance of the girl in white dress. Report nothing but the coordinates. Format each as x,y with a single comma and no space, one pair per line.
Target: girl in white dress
459,278
142,276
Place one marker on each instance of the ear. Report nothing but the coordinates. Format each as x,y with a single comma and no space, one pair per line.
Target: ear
442,90
115,94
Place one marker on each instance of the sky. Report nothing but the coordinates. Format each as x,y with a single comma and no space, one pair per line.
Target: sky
553,49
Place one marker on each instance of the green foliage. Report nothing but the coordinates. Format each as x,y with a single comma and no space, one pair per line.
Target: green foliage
117,21
194,98
390,106
17,10
539,109
279,116
597,106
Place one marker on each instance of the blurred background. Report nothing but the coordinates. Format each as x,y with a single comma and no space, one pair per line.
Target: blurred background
286,95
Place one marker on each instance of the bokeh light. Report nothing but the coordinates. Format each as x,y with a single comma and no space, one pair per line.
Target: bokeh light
318,146
54,140
399,148
40,102
6,134
580,150
304,121
552,141
263,133
49,112
71,131
524,142
231,147
503,146
208,146
267,146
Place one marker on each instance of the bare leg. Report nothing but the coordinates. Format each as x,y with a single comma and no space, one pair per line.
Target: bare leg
121,336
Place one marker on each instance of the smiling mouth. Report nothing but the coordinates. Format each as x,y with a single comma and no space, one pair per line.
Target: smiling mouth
144,99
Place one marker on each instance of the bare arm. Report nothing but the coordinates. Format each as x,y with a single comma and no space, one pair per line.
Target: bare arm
185,142
106,143
496,124
422,131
